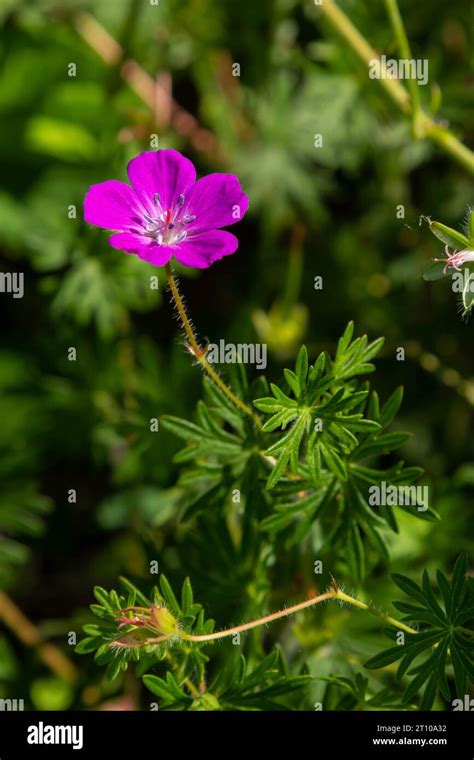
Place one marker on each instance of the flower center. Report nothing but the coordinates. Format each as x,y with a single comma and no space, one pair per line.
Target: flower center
167,226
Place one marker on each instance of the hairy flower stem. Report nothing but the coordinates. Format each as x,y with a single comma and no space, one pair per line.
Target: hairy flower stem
425,125
200,354
363,606
334,594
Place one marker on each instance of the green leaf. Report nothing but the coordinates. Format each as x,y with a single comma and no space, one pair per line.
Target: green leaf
448,236
436,271
385,658
293,382
301,368
391,407
334,462
187,597
409,587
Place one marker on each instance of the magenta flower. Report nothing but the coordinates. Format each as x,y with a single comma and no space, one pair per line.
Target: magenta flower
166,212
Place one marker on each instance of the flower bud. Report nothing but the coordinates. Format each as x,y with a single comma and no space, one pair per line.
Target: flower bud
163,621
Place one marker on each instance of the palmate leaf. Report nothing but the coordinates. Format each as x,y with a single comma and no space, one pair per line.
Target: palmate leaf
445,637
324,412
321,431
332,480
224,450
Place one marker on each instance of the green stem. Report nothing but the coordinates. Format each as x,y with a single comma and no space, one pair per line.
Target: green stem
259,621
200,353
366,52
363,606
334,594
405,52
449,144
425,125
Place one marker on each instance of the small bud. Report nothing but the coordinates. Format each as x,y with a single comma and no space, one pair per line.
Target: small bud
163,621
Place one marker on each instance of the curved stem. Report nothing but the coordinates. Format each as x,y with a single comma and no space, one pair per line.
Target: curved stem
334,594
200,354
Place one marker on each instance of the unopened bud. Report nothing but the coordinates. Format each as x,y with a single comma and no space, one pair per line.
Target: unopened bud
163,621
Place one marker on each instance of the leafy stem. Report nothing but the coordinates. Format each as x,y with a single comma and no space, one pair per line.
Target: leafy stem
200,354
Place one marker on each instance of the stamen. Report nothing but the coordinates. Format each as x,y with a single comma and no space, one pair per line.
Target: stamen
189,218
180,199
156,198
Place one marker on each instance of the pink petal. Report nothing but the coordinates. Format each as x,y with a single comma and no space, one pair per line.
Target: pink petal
159,255
202,250
110,205
216,201
165,172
